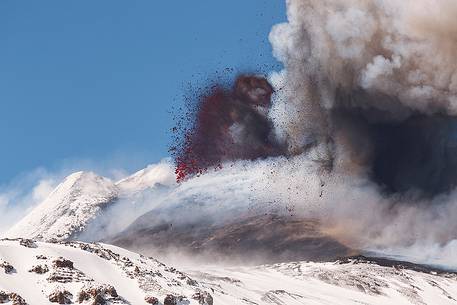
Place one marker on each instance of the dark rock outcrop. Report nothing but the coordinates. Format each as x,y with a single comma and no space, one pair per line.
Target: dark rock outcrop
99,295
60,297
14,298
151,300
7,267
39,269
170,300
203,297
63,263
28,243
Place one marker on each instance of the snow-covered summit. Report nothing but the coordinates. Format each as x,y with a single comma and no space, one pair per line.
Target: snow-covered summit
68,209
80,198
153,175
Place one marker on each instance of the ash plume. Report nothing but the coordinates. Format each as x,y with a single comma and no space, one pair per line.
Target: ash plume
375,84
356,64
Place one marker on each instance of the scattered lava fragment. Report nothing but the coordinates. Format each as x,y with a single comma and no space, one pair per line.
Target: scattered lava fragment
229,124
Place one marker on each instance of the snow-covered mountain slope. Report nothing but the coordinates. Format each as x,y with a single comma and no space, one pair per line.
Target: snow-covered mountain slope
73,272
68,209
65,273
351,281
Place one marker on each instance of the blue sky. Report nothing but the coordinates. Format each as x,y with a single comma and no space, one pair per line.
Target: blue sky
96,80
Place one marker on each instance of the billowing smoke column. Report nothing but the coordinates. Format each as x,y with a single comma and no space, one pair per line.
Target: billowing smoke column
230,124
377,81
366,105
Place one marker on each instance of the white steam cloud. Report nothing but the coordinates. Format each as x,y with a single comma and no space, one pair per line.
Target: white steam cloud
20,196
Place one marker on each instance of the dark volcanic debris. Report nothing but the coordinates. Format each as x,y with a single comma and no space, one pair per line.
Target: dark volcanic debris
228,124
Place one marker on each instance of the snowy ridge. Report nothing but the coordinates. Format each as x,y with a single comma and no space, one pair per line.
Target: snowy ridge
68,209
44,273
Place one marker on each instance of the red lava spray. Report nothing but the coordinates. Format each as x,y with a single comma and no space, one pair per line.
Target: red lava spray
230,124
